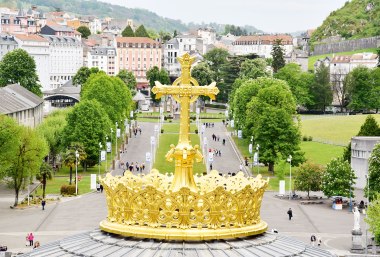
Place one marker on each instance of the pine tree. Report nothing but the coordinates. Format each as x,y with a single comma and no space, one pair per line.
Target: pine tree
141,32
278,56
128,32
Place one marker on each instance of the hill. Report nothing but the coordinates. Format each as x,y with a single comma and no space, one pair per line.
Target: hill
356,19
100,9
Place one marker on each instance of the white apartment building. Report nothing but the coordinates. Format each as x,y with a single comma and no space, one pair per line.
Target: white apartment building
208,35
95,25
7,44
171,52
261,45
65,59
102,58
37,47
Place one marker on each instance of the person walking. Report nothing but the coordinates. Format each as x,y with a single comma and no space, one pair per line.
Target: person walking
31,238
290,213
101,188
313,239
240,167
43,203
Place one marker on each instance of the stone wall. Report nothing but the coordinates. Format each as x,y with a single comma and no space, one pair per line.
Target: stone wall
347,45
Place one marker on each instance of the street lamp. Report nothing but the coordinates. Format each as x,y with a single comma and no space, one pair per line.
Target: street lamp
290,182
258,151
116,140
105,170
366,224
76,171
100,155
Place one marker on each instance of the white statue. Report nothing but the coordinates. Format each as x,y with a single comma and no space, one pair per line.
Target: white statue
356,218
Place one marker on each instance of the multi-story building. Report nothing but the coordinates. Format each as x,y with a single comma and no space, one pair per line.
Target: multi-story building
95,25
37,47
261,45
171,52
59,30
65,59
22,105
103,58
22,22
7,44
137,54
208,35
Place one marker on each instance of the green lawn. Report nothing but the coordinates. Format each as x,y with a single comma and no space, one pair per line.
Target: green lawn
313,59
333,129
54,186
168,138
321,153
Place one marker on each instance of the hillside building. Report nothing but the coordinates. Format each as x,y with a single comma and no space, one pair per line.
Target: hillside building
37,47
137,54
22,105
103,58
29,21
261,45
7,44
65,59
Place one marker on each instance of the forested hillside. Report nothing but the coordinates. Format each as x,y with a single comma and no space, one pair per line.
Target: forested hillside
356,19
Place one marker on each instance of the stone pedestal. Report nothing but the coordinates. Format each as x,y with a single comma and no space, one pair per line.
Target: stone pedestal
357,245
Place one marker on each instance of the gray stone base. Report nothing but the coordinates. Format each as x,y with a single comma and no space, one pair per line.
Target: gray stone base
357,245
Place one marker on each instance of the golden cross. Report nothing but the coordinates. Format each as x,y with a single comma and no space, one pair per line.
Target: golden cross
184,90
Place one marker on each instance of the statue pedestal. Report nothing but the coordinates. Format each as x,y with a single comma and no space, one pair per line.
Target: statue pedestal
357,245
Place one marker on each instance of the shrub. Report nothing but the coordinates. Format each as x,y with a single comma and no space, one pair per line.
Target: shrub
162,131
68,190
196,131
304,138
310,138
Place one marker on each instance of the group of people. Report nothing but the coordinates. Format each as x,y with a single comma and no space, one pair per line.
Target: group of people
136,129
30,241
133,166
209,124
99,187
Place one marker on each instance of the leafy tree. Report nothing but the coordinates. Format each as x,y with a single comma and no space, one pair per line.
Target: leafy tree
111,93
270,122
128,78
9,139
175,33
320,89
26,160
215,59
254,68
338,178
69,157
83,74
141,32
52,130
203,74
84,31
278,54
165,36
88,123
298,81
360,83
308,178
19,67
128,32
43,175
155,74
374,173
373,217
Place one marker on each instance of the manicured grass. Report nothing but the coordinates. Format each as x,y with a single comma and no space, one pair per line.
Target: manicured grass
174,127
321,153
166,139
313,59
274,184
333,129
54,186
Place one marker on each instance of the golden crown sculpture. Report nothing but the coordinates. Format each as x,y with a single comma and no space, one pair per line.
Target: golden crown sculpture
184,206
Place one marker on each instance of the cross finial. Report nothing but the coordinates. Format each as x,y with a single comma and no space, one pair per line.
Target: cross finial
186,61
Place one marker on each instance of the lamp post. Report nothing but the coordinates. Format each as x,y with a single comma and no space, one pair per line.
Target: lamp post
111,140
76,171
116,140
100,155
366,224
251,152
258,151
105,170
290,181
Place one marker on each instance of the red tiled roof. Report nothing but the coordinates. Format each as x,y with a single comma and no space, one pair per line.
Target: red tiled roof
144,40
266,39
341,59
30,37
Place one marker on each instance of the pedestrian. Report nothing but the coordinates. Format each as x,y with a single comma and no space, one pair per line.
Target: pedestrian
27,240
224,141
241,167
140,130
312,240
98,187
290,213
143,166
319,241
220,153
101,188
31,238
43,203
210,166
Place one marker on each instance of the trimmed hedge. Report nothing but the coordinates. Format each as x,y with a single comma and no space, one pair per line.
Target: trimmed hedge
68,190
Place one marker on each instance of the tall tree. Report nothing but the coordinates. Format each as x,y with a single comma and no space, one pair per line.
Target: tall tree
155,74
308,178
339,86
111,93
254,68
373,217
83,74
360,84
374,173
270,122
84,31
215,59
338,179
128,32
298,81
128,78
27,159
87,123
9,140
141,32
320,89
203,74
278,54
19,67
44,174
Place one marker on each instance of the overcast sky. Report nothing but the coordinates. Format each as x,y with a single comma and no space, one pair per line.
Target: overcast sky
267,15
